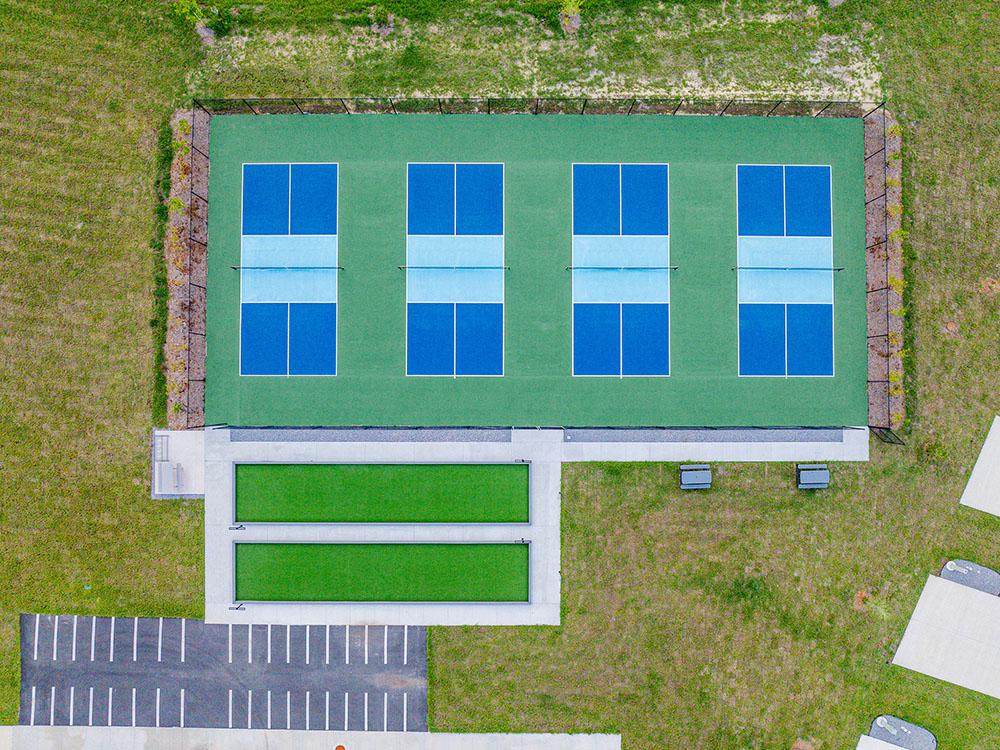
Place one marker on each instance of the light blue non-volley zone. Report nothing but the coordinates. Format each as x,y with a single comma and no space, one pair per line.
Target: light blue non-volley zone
785,268
288,270
621,273
454,269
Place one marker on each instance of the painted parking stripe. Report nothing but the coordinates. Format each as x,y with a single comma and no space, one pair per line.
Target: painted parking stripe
347,648
135,639
52,706
404,712
230,647
268,644
157,707
35,639
111,650
74,639
183,638
250,709
385,712
366,702
55,638
31,718
288,709
406,638
90,710
307,709
159,641
327,711
230,693
133,706
111,695
345,711
72,690
182,704
366,647
385,645
249,644
327,644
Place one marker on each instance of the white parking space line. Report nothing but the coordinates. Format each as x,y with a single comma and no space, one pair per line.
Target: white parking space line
133,706
327,712
135,639
159,641
347,646
182,706
111,695
307,709
36,637
249,644
52,706
31,718
385,645
345,712
268,644
250,708
288,709
385,712
307,644
327,644
73,650
230,697
404,712
90,710
183,637
366,644
268,709
111,648
93,636
288,644
72,691
230,650
366,708
55,639
406,639
157,707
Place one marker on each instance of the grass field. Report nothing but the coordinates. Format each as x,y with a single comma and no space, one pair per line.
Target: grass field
382,493
382,572
722,620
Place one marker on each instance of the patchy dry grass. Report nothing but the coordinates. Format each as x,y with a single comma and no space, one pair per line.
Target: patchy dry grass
499,48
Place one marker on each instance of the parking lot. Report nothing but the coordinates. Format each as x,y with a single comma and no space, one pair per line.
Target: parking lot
169,672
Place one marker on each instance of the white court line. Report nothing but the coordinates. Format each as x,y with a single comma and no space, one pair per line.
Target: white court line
268,709
404,712
73,650
385,712
249,644
327,645
307,644
90,710
182,704
133,706
385,645
345,707
288,644
288,709
230,656
347,647
31,718
268,646
366,645
157,707
406,644
135,639
159,642
72,691
52,706
230,699
327,709
250,708
183,637
111,696
111,648
307,708
36,637
55,639
93,636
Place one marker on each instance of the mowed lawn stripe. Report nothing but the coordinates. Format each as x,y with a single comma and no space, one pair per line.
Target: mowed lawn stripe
382,572
382,493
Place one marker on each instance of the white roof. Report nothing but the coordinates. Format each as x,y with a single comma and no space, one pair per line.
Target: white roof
954,635
983,488
870,743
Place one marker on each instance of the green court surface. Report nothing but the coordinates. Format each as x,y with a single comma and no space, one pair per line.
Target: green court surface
382,493
537,387
382,572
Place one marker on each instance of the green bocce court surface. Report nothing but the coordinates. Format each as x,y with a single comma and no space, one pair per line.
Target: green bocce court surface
537,387
382,493
276,572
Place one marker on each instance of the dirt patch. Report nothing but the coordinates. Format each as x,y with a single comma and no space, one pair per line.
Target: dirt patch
186,254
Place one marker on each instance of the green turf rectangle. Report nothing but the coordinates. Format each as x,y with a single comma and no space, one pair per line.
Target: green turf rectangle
538,388
382,493
382,572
